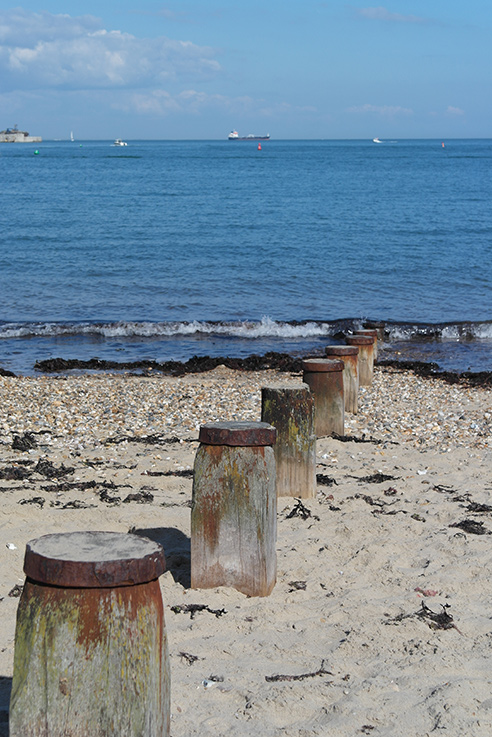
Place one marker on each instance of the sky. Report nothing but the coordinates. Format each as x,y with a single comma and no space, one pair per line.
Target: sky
296,69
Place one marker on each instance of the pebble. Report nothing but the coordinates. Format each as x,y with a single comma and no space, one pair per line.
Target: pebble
81,411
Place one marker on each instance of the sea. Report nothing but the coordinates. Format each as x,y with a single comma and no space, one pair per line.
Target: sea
165,250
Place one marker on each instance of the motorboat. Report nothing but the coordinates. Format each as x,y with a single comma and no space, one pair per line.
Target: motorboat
119,142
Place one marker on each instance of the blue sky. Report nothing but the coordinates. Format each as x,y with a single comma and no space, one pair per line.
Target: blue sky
196,69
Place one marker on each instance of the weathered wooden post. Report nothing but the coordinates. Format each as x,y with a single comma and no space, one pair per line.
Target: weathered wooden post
290,409
91,655
349,354
377,325
372,333
234,509
365,344
325,379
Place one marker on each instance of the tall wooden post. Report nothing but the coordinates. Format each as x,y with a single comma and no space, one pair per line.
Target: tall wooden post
377,325
372,333
290,409
325,379
365,344
91,655
350,356
234,508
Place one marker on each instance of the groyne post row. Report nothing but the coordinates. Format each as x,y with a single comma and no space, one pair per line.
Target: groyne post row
91,655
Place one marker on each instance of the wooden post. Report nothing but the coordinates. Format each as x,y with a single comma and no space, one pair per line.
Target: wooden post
91,654
372,333
290,409
325,379
350,356
365,344
377,325
234,509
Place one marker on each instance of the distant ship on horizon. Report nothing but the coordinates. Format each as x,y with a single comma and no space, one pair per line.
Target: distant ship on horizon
234,136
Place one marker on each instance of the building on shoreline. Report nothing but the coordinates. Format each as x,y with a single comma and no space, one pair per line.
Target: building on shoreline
14,135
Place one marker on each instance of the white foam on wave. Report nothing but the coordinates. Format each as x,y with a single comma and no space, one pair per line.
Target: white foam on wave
246,329
265,328
444,332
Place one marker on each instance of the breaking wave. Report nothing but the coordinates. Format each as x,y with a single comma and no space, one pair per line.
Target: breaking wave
250,329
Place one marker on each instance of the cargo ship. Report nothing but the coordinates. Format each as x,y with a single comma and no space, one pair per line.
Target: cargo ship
14,135
234,136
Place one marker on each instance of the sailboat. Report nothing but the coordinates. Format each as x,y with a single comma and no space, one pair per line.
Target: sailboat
71,136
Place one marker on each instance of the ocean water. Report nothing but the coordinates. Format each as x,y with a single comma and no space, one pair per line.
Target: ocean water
169,249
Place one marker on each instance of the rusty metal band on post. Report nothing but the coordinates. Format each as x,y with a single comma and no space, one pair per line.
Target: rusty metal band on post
359,340
241,434
93,559
371,332
321,365
341,350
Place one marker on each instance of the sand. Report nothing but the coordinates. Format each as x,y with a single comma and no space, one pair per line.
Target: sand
343,645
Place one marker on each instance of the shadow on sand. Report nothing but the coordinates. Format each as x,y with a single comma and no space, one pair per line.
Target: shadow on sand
177,549
5,689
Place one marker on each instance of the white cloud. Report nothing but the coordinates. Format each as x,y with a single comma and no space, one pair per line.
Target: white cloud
58,51
380,13
161,102
384,110
454,111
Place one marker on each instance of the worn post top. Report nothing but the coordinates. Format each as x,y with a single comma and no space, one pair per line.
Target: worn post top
359,339
237,433
322,365
341,350
300,388
366,331
93,559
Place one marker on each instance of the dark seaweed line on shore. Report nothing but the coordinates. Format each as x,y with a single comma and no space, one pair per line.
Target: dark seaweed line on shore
271,360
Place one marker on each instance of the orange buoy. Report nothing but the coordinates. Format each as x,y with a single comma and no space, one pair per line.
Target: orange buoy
259,147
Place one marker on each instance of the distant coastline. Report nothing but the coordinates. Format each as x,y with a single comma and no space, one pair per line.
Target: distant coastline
14,135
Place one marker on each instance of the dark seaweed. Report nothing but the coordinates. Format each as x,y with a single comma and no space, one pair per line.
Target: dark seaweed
363,439
35,500
375,478
472,526
46,468
436,620
147,439
193,609
14,473
196,364
141,497
185,474
24,442
324,480
300,510
431,371
302,676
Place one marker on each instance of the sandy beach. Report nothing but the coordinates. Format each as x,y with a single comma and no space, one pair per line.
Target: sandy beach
381,619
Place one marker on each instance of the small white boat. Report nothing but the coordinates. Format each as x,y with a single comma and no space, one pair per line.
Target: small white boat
119,142
71,136
376,140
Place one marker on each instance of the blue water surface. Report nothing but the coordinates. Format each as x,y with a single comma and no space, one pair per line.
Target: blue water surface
142,240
